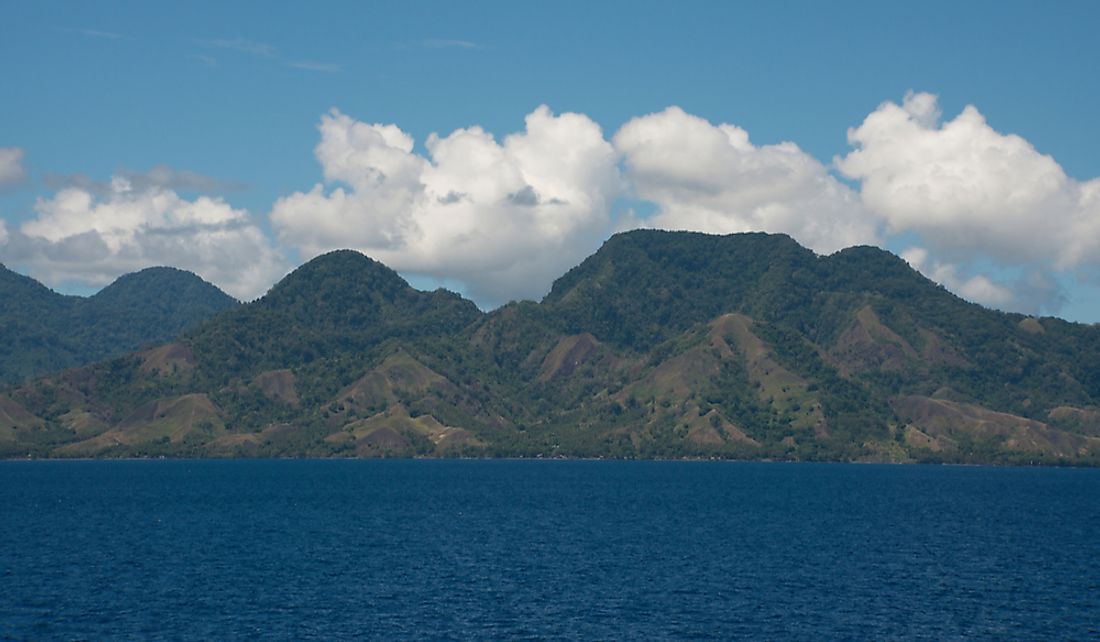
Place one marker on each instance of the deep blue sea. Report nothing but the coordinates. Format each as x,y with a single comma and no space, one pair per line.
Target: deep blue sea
438,550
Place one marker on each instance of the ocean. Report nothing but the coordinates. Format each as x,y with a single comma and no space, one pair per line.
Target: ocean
513,550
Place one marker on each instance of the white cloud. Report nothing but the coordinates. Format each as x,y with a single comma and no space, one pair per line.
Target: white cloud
11,166
83,237
1034,291
504,219
969,190
975,199
3,232
711,178
979,288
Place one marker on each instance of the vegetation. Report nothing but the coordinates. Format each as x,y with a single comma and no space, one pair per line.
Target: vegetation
659,345
45,331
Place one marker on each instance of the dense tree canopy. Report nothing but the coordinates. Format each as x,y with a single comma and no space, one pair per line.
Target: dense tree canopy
661,344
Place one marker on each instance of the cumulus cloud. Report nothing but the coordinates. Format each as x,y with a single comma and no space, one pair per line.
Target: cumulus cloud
1034,291
974,194
974,198
80,236
979,288
969,190
711,178
11,166
503,218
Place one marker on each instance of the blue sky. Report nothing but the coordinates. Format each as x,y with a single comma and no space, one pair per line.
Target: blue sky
229,103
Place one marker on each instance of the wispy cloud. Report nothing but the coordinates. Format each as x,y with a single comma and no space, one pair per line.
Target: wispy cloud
209,61
96,33
443,43
263,51
159,177
244,45
327,67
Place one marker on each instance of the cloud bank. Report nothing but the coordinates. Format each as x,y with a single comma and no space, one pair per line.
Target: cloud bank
711,178
979,211
504,218
79,236
973,193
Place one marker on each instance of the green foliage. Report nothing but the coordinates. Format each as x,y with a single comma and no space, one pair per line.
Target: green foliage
644,287
342,303
44,331
649,299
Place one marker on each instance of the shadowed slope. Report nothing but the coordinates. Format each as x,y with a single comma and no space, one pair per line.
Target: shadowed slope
44,331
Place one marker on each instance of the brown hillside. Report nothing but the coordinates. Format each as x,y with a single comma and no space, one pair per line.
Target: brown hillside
950,422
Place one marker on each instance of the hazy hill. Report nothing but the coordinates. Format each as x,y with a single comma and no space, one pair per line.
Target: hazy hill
661,344
44,331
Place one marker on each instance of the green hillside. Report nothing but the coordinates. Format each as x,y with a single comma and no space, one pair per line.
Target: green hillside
44,331
662,344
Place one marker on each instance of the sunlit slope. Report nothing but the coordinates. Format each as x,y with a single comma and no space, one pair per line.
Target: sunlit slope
661,344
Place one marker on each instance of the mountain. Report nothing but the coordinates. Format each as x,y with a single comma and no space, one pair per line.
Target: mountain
661,344
45,331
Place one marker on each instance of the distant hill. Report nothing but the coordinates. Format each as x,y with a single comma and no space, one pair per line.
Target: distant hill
661,344
44,331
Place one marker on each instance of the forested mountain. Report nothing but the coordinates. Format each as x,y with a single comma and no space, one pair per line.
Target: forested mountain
662,344
43,331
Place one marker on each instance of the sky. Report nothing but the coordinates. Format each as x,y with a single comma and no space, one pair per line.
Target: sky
489,147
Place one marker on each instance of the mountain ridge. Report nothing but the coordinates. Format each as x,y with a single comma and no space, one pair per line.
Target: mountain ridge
661,344
45,331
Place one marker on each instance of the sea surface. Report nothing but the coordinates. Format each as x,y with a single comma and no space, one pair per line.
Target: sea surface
512,550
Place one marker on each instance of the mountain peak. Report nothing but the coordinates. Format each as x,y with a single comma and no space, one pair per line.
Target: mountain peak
338,301
654,239
870,255
346,275
661,344
45,331
168,285
695,277
345,258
